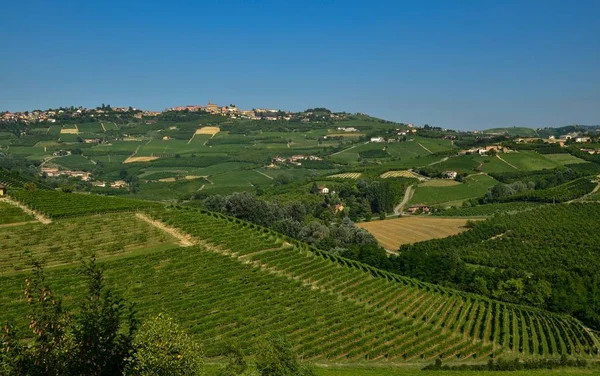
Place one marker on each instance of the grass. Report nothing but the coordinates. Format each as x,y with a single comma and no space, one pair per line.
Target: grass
392,233
527,160
474,186
74,162
564,159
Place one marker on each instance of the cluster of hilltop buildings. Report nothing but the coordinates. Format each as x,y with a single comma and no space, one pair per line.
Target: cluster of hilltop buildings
51,116
234,112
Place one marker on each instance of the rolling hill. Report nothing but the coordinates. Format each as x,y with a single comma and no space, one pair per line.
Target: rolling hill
235,281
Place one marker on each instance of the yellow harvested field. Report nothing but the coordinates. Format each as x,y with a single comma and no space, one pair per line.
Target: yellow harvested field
439,183
69,131
139,159
347,175
392,233
193,177
401,174
167,180
208,130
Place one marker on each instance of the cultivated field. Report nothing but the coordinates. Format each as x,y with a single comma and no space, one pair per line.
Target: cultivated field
439,183
347,175
208,130
139,159
394,232
402,174
65,241
475,186
236,288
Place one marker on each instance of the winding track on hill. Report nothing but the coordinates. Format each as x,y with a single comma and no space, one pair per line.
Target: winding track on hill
407,196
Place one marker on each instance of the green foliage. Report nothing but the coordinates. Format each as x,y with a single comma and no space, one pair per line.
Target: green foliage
95,341
276,357
162,348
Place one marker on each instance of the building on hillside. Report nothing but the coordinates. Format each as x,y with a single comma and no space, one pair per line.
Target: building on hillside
118,184
212,108
582,139
3,189
416,209
377,139
450,174
323,190
100,184
338,208
166,138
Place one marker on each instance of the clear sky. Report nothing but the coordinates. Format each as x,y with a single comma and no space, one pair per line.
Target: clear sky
457,64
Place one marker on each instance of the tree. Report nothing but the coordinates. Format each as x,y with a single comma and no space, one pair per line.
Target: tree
103,338
276,357
164,349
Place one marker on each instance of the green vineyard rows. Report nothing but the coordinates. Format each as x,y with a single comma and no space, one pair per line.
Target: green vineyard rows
60,205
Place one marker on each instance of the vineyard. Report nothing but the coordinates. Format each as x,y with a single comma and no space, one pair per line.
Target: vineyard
12,214
65,241
553,245
401,174
16,180
562,193
236,288
60,205
488,209
444,323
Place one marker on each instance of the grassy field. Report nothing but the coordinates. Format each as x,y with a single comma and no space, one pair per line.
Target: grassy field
475,186
564,159
392,233
527,160
74,162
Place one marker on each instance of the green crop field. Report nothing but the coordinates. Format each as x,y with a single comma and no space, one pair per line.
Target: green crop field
530,160
475,186
65,241
74,162
12,214
564,159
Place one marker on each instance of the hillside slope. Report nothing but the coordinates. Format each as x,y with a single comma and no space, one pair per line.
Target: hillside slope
240,281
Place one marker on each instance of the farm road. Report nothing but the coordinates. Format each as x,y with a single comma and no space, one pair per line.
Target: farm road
407,196
184,240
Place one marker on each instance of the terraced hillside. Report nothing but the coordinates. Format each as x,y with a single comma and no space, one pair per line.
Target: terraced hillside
240,281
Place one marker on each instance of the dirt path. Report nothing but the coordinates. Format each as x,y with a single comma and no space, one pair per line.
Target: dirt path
38,216
510,164
102,124
421,145
265,175
440,161
48,160
184,240
341,151
596,189
407,196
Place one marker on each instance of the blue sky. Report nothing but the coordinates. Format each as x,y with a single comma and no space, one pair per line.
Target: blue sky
463,64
